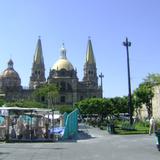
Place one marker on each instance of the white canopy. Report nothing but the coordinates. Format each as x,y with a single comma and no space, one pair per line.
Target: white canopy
55,116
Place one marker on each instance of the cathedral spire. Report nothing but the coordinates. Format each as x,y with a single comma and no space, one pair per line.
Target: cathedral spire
38,69
89,54
90,70
38,57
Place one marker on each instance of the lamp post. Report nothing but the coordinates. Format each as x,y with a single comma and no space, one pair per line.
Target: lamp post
127,44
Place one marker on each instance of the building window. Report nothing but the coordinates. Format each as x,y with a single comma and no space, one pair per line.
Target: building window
62,86
63,99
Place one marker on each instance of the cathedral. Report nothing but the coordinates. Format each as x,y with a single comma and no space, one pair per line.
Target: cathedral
62,73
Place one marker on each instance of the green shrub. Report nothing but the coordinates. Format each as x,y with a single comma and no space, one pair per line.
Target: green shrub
117,123
142,124
104,123
65,108
126,126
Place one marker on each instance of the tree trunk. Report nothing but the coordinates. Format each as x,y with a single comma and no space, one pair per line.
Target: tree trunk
149,110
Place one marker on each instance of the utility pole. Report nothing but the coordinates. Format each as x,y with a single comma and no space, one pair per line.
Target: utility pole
127,44
101,76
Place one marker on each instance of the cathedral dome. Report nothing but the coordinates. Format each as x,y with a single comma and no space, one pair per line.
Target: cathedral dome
63,62
10,73
9,76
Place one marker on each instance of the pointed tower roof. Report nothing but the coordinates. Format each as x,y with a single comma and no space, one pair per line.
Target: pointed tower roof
38,69
90,55
38,56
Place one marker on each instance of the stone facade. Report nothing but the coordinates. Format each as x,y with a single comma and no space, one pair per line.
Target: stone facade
143,114
156,103
62,73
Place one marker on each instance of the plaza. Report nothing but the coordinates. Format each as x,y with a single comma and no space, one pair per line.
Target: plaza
90,144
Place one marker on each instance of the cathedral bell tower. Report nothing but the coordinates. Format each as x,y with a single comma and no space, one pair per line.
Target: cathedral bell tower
90,71
38,69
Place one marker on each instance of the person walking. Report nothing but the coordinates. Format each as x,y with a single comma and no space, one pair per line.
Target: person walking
152,125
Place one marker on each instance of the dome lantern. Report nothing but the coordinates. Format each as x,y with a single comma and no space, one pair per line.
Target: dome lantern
10,64
63,52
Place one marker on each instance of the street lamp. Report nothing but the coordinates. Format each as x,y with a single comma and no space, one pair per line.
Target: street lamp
127,44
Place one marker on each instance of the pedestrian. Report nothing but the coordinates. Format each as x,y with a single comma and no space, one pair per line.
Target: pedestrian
152,125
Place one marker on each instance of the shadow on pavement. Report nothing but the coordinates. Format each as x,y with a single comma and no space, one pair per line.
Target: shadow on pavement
1,153
83,135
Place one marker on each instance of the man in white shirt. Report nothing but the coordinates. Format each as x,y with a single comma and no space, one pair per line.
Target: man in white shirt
152,124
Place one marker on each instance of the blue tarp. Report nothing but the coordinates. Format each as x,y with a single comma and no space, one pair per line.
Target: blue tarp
57,130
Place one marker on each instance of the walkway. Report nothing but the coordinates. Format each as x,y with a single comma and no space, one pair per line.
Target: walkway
91,144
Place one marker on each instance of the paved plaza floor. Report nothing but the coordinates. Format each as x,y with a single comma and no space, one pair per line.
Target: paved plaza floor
91,144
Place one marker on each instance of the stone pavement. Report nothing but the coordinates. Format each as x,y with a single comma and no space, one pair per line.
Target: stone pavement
91,144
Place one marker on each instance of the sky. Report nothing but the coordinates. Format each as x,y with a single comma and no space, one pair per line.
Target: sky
107,22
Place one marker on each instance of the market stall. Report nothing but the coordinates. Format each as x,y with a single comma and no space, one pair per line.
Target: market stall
27,124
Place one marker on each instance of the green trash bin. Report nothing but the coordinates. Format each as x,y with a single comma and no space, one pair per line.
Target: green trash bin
110,128
158,138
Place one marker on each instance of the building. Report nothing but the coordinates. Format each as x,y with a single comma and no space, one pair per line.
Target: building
62,73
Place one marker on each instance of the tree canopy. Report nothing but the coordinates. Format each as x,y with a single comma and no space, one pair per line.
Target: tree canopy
48,92
153,79
103,107
145,92
26,104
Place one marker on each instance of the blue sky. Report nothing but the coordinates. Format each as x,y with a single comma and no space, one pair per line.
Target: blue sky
107,22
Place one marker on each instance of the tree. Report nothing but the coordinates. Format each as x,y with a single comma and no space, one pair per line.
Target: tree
145,92
143,95
2,101
153,79
101,107
65,108
121,104
26,104
47,92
